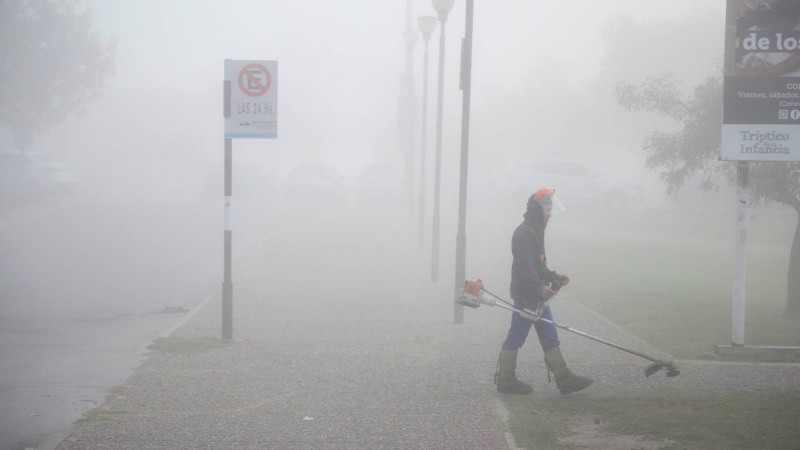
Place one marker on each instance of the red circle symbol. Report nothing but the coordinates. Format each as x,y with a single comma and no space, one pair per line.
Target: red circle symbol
254,80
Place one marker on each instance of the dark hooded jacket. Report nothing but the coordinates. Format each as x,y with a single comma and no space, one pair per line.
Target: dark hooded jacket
529,270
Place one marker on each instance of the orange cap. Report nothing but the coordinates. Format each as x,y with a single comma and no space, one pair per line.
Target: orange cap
543,192
547,198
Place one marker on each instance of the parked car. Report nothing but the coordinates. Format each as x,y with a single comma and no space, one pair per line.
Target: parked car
31,174
313,182
574,181
379,182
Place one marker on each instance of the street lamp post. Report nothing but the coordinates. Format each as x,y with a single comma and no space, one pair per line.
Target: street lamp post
442,7
427,24
461,239
410,37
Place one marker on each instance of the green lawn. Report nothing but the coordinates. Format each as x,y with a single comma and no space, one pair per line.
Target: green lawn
741,422
668,278
665,276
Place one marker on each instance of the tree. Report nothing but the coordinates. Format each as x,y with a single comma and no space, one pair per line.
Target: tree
694,149
51,64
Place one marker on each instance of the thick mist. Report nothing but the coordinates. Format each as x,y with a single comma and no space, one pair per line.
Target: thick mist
104,268
543,83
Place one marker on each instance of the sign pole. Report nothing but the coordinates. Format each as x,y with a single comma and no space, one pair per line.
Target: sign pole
227,284
253,87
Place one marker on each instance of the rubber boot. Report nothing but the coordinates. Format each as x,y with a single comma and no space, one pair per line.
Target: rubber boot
566,381
505,377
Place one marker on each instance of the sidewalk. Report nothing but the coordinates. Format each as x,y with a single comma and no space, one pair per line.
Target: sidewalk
341,341
337,344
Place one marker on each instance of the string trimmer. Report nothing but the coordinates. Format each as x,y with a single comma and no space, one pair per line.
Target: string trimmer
474,294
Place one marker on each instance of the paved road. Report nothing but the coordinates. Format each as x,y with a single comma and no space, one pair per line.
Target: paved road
84,285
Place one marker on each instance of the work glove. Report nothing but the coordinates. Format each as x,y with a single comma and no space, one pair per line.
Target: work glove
563,280
528,303
547,293
531,303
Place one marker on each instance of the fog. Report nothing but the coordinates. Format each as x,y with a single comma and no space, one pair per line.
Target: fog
341,65
143,232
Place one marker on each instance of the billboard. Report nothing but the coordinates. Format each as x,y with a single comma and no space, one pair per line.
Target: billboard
252,103
761,103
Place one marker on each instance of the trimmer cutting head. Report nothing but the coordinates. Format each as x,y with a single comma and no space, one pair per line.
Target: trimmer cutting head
672,371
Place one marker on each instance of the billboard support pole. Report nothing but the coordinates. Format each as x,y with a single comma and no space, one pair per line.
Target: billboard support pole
739,256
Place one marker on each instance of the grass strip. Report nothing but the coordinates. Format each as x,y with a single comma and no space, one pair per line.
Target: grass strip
667,277
748,421
186,346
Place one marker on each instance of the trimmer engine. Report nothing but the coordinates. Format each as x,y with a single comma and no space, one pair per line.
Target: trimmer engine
473,295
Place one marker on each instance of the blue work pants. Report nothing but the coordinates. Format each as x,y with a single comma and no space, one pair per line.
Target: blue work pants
548,337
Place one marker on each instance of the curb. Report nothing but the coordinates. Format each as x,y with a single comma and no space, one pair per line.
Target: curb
194,311
755,351
502,411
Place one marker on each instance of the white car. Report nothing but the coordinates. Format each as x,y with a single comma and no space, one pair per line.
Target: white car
574,181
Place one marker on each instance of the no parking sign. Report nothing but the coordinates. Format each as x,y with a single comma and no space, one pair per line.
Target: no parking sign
250,109
251,99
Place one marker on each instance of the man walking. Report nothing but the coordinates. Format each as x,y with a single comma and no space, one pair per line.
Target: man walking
531,283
